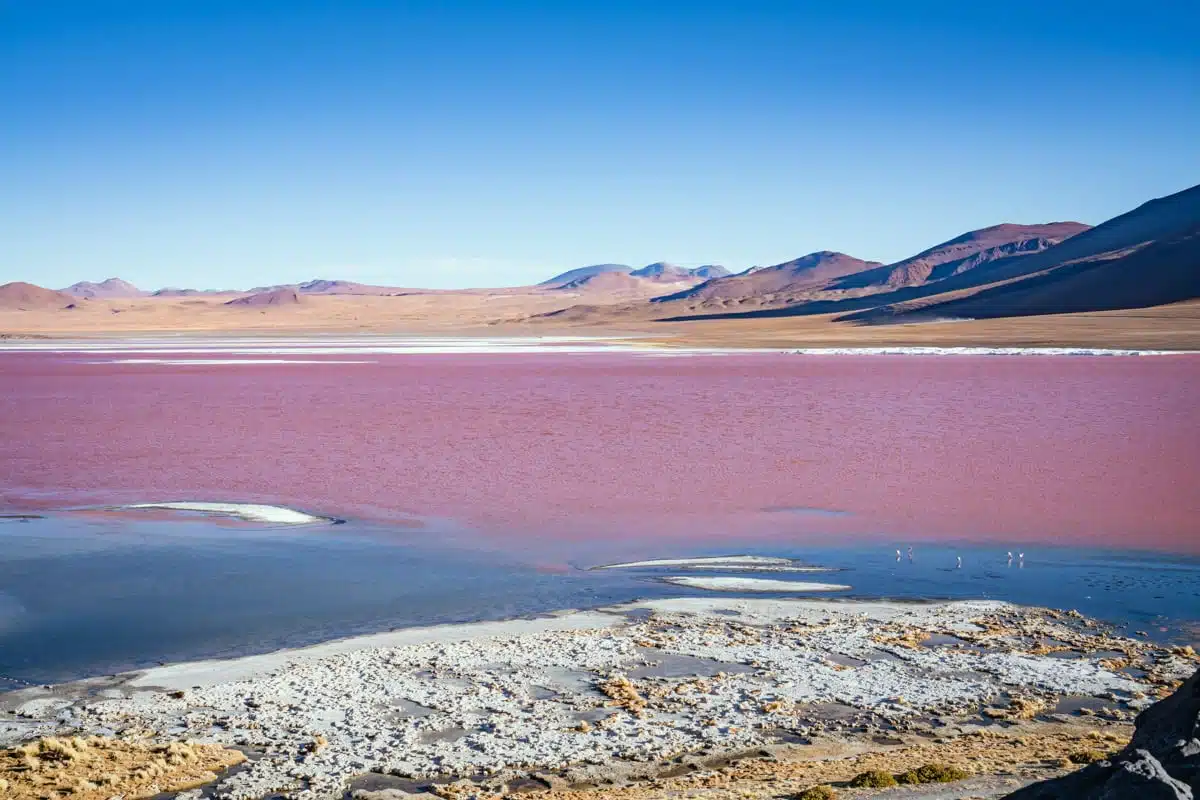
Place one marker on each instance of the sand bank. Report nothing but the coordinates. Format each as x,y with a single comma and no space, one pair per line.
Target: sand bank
586,695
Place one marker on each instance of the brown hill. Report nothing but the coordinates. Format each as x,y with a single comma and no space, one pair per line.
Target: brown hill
1162,272
962,253
601,281
776,285
1145,257
579,273
275,297
21,296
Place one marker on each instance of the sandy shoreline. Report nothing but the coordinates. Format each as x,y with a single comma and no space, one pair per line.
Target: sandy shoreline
609,693
1170,327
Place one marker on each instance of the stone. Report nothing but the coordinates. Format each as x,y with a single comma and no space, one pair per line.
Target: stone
1161,762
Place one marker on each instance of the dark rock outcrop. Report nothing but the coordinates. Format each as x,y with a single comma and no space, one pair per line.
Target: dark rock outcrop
1162,760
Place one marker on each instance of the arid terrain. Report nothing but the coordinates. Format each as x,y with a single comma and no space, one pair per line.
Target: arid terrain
1172,327
1131,282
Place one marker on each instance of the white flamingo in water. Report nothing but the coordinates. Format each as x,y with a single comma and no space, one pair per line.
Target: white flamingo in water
910,553
959,566
897,555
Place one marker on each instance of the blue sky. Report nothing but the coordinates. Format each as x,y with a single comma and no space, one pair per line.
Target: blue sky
444,144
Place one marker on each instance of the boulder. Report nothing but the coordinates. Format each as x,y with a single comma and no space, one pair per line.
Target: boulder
1161,762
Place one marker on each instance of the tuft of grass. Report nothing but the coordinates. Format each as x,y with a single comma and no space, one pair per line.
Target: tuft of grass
933,773
52,749
1087,757
872,779
821,792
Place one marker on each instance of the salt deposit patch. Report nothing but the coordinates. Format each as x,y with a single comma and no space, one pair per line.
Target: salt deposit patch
510,696
753,584
251,512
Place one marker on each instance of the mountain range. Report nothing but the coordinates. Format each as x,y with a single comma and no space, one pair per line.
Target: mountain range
1149,256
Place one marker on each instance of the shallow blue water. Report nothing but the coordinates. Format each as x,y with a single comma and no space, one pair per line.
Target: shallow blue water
80,597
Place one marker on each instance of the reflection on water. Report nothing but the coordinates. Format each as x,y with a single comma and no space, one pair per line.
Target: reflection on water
86,596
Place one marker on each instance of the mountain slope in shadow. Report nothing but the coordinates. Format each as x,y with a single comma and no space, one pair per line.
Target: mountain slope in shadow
1145,257
1148,256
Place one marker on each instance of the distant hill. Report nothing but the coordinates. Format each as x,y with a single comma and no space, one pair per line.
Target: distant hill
326,286
1143,258
780,283
174,291
1149,256
110,288
711,271
105,289
969,251
21,296
602,281
665,272
573,275
274,297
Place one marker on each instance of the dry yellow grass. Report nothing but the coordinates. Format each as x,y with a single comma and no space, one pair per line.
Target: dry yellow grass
1032,749
98,768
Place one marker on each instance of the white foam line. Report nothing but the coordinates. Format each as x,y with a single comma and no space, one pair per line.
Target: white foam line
753,585
714,562
252,512
983,351
220,361
409,345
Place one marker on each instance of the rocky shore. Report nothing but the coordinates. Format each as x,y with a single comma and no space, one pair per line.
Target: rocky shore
632,697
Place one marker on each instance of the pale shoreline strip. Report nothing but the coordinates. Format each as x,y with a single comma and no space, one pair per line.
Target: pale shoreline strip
753,584
756,610
704,561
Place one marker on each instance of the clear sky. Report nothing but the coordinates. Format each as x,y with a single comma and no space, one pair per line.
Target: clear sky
450,143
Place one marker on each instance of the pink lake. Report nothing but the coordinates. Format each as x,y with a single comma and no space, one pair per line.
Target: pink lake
556,450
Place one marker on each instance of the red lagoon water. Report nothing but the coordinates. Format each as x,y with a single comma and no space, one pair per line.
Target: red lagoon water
535,450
